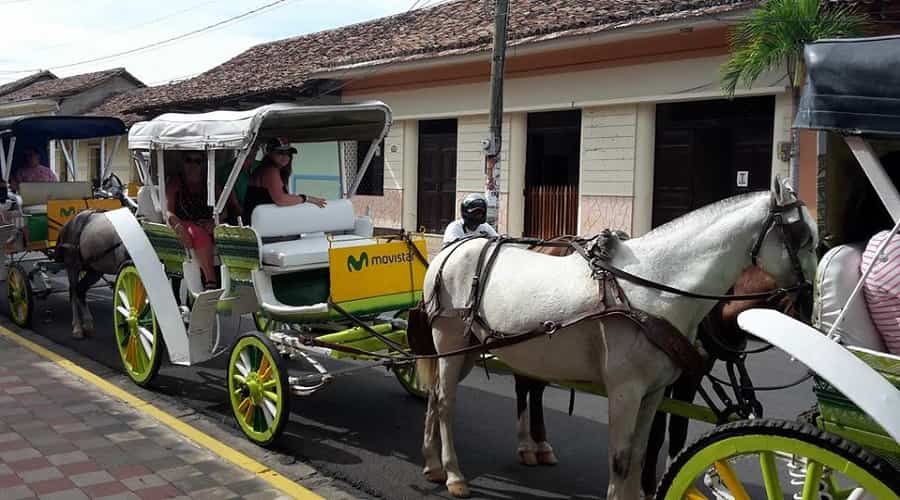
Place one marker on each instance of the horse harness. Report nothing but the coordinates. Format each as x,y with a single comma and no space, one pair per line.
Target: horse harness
77,225
598,253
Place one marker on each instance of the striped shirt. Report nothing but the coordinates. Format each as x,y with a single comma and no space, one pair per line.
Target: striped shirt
882,289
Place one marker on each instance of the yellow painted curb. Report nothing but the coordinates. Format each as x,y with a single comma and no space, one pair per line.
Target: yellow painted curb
205,440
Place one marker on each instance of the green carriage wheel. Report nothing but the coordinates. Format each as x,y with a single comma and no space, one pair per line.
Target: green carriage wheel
258,388
706,469
406,375
19,295
140,344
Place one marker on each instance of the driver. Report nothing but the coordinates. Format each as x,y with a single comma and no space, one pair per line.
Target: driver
474,213
32,170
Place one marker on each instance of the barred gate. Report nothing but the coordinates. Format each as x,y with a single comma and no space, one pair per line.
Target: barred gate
551,211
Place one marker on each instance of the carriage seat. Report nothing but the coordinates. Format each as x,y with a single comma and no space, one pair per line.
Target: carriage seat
38,193
837,275
298,236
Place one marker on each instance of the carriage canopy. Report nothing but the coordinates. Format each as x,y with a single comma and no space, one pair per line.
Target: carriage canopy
852,86
237,129
44,128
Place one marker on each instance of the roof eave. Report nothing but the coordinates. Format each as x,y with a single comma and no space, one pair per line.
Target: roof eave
536,45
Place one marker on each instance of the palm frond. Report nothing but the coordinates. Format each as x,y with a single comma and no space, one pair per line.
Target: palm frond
774,35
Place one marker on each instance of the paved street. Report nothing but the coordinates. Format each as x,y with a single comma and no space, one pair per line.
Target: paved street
364,432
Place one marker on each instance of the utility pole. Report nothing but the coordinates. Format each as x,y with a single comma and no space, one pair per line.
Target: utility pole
493,143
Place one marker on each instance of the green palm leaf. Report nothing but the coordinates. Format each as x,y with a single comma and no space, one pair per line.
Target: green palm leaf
774,35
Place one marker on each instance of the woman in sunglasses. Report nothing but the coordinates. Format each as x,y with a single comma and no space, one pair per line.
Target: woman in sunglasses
269,181
190,216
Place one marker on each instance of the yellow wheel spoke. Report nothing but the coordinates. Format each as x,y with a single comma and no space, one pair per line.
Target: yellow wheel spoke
271,395
265,369
770,475
270,384
694,494
248,412
731,480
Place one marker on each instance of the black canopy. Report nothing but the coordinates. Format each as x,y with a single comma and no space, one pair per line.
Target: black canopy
43,128
852,86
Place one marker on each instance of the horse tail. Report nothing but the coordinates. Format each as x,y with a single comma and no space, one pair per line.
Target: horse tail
426,371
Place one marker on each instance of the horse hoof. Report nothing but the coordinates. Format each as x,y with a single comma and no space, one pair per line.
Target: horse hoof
78,335
547,458
527,457
459,490
436,475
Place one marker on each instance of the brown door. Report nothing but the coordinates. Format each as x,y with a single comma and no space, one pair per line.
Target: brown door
704,147
437,174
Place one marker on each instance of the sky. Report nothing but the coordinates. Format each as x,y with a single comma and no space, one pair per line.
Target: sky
54,34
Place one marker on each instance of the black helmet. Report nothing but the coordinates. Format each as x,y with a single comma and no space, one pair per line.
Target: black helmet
474,210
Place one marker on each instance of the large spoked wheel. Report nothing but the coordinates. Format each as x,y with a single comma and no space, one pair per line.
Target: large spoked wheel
19,295
258,388
406,373
137,334
782,457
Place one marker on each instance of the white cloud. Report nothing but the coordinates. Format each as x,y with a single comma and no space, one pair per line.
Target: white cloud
44,34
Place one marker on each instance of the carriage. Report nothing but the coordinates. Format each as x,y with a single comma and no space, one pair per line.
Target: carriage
318,281
32,219
848,446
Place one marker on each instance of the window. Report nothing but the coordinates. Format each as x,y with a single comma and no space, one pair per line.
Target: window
316,170
373,181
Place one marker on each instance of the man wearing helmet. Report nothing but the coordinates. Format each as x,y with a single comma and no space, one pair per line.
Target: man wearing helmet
474,213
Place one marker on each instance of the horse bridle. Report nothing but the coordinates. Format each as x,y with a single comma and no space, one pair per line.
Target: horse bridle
793,234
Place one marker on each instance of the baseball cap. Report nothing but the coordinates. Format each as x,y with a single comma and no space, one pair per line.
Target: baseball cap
279,144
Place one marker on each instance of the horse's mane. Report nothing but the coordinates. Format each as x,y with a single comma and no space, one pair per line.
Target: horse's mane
708,212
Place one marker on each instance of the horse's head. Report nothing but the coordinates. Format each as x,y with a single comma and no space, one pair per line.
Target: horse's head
785,246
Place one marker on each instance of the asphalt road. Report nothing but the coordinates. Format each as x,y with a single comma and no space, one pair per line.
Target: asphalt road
366,432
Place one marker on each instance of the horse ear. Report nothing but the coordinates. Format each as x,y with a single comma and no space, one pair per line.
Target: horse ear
782,192
776,190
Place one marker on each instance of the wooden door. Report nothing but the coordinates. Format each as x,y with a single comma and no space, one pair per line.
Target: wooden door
437,181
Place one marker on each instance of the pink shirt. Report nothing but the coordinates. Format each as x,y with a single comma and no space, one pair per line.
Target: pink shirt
39,173
882,289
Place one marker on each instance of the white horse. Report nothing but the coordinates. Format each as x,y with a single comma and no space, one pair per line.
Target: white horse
702,252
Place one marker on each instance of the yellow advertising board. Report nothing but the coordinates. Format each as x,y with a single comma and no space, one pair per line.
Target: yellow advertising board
377,270
61,211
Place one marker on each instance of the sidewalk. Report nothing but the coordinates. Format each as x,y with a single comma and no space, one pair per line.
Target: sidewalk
62,438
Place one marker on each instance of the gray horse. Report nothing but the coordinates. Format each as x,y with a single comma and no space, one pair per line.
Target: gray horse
89,248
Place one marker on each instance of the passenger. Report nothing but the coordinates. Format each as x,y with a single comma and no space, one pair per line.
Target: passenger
269,181
882,289
32,170
474,214
882,285
190,216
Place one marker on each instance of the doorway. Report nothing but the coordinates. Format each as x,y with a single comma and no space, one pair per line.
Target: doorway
707,151
436,206
551,173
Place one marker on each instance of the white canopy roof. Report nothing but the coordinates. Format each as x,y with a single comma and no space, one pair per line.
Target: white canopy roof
238,129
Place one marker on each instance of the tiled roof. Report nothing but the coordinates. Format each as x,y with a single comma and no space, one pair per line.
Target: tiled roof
14,85
62,87
454,28
117,106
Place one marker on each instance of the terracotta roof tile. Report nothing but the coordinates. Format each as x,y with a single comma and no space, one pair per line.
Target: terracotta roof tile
454,28
14,85
62,87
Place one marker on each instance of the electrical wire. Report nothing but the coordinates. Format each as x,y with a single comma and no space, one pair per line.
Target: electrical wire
165,42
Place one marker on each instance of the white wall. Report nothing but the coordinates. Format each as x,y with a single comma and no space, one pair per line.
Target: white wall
607,150
471,130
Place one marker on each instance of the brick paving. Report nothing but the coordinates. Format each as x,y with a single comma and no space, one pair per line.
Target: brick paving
61,438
